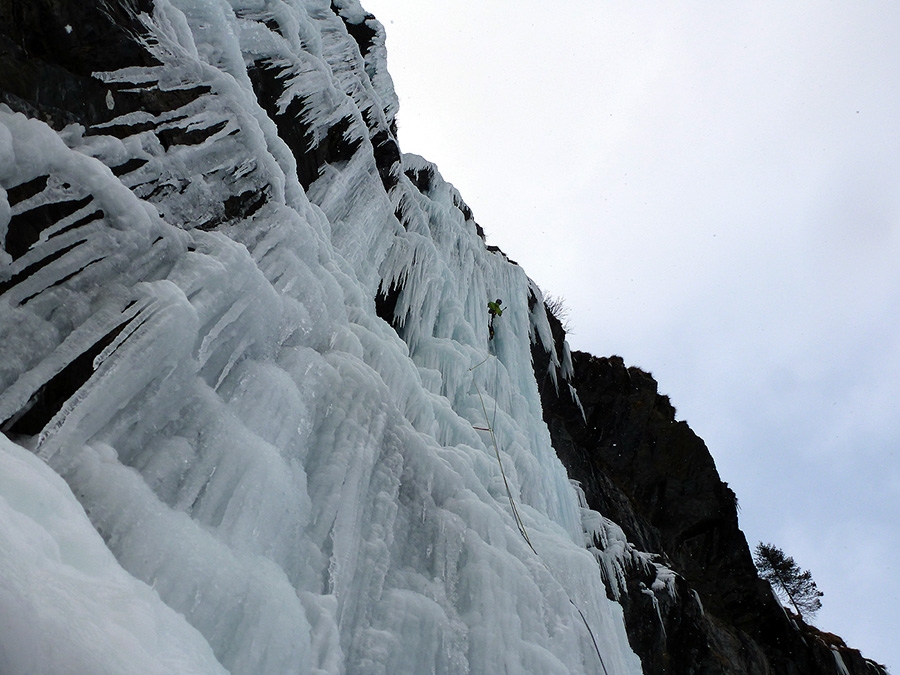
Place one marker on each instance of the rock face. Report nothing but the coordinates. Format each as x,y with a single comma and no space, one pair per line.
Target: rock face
655,477
252,338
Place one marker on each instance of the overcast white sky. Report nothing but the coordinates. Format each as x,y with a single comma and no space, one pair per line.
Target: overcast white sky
714,188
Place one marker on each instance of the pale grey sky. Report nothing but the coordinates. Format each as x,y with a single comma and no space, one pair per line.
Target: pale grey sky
714,188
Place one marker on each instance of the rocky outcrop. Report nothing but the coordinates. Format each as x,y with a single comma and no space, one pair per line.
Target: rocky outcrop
50,50
656,479
198,196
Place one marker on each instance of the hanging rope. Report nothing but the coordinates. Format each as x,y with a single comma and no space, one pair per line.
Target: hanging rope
512,502
515,511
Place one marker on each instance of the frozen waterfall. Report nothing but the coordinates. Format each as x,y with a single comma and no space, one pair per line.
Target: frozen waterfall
248,469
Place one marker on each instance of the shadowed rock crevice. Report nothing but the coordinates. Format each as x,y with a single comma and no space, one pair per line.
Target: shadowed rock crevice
297,132
387,158
34,267
27,190
176,135
362,33
50,397
237,207
386,304
49,50
421,178
25,228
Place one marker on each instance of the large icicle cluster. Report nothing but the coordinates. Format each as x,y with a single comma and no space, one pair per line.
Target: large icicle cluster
190,340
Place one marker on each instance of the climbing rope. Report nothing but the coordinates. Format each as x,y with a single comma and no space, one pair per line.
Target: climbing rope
515,511
512,502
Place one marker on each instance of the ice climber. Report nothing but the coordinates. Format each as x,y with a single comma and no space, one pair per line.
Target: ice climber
494,309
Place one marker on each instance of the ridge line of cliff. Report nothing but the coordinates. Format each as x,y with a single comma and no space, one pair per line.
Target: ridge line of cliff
655,478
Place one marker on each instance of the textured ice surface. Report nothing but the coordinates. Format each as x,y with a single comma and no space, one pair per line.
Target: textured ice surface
67,605
308,487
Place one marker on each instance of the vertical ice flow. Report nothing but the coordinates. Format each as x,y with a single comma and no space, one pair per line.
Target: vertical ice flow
292,483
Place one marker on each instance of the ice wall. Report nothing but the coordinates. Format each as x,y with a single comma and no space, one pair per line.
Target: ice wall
190,340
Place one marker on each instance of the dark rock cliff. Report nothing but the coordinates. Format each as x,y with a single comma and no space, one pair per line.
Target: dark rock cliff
655,477
637,465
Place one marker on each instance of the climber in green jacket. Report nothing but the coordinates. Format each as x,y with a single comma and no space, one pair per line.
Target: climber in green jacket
494,309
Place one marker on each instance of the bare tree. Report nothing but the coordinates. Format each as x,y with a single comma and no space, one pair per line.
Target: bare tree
556,305
788,580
